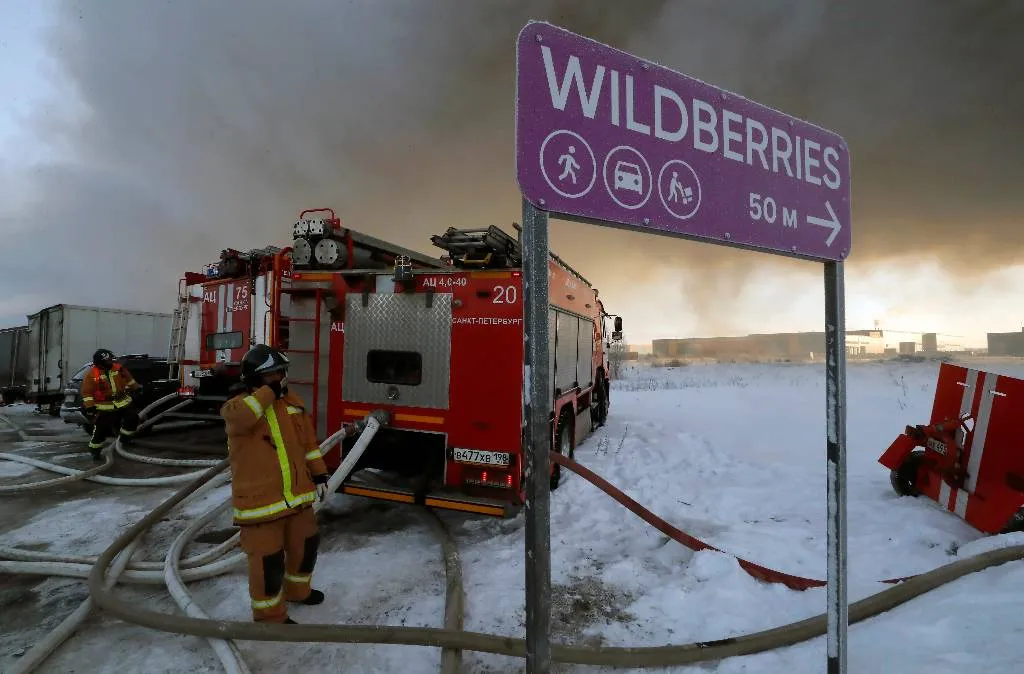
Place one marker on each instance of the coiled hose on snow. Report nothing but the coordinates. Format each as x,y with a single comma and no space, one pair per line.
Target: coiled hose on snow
93,474
653,656
101,591
40,563
31,562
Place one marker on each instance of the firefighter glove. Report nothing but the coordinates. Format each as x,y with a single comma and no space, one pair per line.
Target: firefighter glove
321,486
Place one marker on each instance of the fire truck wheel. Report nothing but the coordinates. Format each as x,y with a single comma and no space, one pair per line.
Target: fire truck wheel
600,409
564,448
904,478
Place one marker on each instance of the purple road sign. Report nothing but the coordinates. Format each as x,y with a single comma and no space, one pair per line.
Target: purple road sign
604,135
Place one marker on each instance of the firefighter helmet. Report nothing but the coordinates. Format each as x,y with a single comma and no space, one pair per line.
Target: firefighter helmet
260,360
103,358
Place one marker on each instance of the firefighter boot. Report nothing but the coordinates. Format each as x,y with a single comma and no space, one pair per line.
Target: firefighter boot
97,454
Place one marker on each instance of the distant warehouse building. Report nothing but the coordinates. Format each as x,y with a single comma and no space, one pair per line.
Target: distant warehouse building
1006,343
784,345
804,345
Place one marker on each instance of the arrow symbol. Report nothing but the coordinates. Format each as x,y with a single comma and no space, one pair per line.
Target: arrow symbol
832,222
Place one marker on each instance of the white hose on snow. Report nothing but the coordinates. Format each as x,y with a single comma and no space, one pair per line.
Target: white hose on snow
166,481
170,576
43,649
228,653
156,461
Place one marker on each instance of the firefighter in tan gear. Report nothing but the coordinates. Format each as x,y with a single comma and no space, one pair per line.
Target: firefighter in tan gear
107,403
277,473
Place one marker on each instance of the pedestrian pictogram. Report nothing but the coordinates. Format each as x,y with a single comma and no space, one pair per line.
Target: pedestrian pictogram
568,164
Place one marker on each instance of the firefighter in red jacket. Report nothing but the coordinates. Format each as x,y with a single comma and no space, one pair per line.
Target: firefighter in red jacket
277,473
107,401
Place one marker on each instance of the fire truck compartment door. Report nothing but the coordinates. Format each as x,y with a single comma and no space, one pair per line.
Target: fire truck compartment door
398,349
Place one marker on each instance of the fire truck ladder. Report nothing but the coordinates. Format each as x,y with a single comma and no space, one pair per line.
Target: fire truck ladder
306,331
179,330
483,248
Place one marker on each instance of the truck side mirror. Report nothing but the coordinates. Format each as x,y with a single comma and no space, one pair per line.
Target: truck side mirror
618,324
617,336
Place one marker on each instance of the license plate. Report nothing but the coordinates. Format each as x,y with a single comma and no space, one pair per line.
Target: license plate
937,446
482,457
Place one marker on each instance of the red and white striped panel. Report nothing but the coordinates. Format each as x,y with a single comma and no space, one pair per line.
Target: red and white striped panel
992,448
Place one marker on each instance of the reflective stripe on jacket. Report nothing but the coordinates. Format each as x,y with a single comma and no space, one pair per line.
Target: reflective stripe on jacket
107,390
274,455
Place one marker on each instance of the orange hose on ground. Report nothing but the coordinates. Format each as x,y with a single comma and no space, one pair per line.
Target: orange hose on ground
680,536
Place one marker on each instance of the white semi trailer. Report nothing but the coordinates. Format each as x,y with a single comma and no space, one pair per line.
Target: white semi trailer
62,339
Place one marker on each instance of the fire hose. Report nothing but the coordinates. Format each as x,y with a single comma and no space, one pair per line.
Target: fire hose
101,591
652,656
32,562
756,570
35,563
25,437
93,474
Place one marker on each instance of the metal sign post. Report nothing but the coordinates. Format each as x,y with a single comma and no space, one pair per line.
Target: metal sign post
538,439
835,446
607,138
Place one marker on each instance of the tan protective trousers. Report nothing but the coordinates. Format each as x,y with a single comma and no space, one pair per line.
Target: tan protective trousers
282,554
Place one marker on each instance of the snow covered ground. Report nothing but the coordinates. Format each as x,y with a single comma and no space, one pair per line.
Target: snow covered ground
733,454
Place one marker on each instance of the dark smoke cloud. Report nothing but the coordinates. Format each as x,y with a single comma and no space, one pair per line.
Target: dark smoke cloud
207,125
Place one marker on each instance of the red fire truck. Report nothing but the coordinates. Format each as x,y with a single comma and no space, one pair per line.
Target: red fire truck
220,313
439,344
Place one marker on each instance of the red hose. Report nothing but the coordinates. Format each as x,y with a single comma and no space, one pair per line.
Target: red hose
755,570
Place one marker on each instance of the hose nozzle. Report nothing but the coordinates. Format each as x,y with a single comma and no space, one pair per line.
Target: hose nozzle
382,417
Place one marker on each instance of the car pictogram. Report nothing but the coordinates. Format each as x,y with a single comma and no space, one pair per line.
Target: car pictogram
628,177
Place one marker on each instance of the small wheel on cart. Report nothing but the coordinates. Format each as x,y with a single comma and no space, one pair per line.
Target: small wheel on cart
1016,523
904,478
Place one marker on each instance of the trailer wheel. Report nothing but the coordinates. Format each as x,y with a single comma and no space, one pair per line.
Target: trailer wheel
564,448
904,478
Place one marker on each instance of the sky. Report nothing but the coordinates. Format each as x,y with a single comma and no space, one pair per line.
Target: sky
146,137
